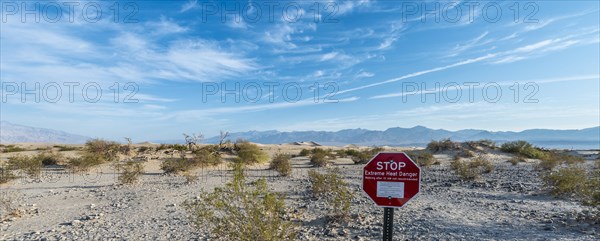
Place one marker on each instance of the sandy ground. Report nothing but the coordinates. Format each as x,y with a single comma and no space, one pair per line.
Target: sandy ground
508,204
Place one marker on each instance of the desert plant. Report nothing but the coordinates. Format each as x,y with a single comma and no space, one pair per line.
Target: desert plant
515,160
463,170
362,157
319,159
240,211
250,153
129,172
281,164
334,189
466,153
190,177
13,148
441,145
177,165
304,152
104,151
192,140
6,174
207,156
66,148
423,158
9,205
575,181
30,165
524,149
483,164
50,158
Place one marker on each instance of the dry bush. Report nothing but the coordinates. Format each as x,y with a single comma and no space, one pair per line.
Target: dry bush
9,205
471,170
12,148
51,158
106,151
6,174
207,156
129,172
30,165
515,160
244,212
334,189
281,163
66,148
190,177
441,145
525,149
465,153
304,152
177,165
481,143
553,159
319,159
423,158
250,153
575,181
362,157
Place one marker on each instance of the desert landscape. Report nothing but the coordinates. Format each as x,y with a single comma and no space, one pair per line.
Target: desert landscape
470,191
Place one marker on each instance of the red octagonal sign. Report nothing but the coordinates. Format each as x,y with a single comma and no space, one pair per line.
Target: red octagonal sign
391,179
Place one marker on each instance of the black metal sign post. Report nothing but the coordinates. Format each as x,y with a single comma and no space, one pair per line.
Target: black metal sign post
388,224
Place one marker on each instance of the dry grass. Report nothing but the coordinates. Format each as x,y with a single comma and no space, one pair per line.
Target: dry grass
471,170
423,158
250,153
129,172
577,182
442,145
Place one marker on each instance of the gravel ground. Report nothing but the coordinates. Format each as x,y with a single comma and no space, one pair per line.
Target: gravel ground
508,204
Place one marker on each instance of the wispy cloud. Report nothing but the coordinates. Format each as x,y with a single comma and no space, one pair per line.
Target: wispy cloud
189,5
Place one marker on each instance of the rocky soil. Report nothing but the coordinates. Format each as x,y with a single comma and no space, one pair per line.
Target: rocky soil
509,203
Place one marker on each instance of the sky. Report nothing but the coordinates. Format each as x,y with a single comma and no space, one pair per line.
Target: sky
152,70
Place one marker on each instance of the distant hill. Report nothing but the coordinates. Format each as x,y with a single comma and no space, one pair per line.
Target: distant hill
419,136
13,133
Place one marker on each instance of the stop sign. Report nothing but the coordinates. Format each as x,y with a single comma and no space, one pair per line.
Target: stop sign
390,179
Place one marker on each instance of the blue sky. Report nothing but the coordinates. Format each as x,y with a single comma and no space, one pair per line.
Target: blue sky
377,64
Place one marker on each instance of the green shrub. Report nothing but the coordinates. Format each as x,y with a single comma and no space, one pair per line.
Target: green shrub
441,145
334,189
553,159
281,163
524,149
207,156
244,212
30,165
177,165
483,164
423,158
466,153
575,181
362,157
250,153
129,172
13,148
482,143
304,152
144,149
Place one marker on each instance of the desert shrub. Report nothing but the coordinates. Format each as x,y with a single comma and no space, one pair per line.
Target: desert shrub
463,170
66,148
483,164
13,148
190,177
441,145
144,149
105,151
515,160
304,152
179,147
465,153
334,189
598,163
423,158
281,163
207,156
362,157
84,162
553,159
9,205
471,170
575,181
250,153
30,165
129,172
177,165
319,159
6,174
524,149
50,158
240,211
481,143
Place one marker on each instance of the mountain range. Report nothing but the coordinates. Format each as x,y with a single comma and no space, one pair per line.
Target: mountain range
588,138
13,133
